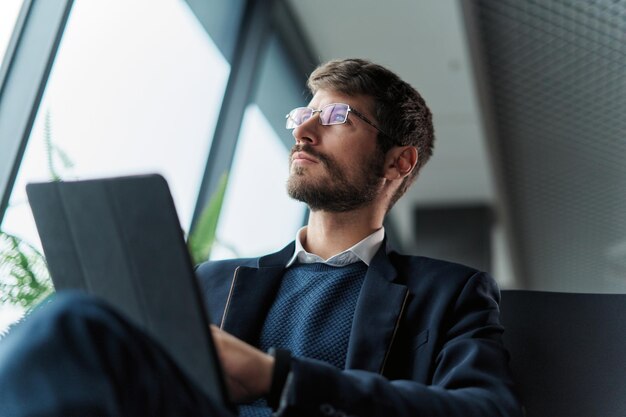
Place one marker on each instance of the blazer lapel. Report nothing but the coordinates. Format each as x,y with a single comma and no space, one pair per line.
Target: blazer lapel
252,294
377,314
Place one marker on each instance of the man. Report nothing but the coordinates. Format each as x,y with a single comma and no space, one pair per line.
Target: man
335,324
392,335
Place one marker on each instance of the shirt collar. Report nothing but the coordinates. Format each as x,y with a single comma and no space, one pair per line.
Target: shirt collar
363,251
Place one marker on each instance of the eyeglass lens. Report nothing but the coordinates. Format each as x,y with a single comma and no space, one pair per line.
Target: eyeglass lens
331,114
334,114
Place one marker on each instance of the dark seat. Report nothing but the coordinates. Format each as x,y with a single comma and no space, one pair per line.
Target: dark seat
568,352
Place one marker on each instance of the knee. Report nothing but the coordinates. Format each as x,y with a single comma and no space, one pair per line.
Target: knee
70,309
70,303
65,320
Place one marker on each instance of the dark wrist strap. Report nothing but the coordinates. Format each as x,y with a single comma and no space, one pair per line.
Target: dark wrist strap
282,366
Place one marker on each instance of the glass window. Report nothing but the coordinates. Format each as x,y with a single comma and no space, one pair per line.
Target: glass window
136,87
9,10
258,217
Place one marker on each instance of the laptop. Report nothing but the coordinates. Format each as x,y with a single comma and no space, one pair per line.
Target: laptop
120,239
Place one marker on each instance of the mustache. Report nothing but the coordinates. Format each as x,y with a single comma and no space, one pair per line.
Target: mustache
306,148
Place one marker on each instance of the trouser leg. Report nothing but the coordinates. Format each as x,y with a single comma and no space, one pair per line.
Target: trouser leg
78,357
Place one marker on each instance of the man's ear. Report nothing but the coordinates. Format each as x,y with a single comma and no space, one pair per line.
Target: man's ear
400,161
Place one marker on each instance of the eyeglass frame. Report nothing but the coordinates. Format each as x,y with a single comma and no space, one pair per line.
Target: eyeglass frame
350,110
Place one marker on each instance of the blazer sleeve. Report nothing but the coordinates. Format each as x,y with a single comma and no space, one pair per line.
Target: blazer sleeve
471,375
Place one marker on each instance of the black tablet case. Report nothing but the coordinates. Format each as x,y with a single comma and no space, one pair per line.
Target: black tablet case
120,239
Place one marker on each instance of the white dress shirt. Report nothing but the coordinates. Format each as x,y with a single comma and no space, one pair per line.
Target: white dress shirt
362,251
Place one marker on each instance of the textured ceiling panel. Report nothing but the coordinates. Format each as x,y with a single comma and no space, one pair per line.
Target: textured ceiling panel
557,78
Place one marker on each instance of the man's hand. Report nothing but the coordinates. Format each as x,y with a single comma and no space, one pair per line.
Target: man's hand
247,370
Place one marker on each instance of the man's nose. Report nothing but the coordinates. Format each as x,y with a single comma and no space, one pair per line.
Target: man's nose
308,131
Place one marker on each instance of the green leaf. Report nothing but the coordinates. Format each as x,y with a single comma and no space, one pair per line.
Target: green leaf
202,237
24,277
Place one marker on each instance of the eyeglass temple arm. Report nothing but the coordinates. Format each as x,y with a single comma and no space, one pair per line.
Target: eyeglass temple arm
366,120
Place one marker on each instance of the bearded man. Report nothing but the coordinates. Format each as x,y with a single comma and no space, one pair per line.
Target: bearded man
359,329
335,324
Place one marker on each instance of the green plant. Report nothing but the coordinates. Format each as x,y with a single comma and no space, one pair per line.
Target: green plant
24,279
53,150
202,237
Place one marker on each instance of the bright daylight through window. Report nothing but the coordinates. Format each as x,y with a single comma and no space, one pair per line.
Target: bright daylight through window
136,87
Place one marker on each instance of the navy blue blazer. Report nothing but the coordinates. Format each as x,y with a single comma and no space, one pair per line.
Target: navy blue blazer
425,338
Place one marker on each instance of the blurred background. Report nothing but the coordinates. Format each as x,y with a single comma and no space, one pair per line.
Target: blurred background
527,181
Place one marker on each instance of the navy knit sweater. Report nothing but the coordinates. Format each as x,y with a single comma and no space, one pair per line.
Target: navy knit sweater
312,315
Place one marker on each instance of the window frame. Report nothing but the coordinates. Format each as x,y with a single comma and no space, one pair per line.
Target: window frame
25,70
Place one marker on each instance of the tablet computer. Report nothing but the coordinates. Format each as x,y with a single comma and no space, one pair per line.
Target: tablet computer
120,239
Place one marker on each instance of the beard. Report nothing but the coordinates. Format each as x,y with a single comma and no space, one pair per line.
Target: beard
336,193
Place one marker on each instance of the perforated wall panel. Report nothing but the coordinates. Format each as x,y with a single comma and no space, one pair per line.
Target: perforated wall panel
556,73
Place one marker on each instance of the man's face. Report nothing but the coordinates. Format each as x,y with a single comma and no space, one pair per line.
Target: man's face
336,168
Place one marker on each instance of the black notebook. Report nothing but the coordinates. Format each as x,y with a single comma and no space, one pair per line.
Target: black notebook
120,239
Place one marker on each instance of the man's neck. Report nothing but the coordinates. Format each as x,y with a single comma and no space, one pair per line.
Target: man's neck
328,233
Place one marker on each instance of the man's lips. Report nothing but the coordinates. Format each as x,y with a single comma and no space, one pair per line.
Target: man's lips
302,156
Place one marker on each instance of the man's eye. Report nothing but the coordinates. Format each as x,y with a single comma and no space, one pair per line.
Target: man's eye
338,116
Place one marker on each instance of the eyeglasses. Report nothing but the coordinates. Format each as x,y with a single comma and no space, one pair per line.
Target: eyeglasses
330,114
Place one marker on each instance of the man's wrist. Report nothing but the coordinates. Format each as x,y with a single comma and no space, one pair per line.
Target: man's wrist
282,367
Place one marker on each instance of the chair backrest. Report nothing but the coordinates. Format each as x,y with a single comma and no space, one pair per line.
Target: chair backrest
568,352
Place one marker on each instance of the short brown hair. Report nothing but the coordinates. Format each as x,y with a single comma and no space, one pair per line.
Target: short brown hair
400,110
